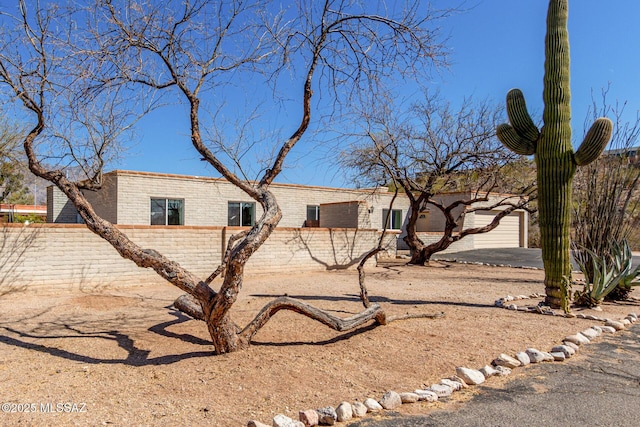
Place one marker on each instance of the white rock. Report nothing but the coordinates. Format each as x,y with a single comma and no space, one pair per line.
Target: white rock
558,356
455,385
488,371
535,356
426,395
572,345
591,334
608,329
633,315
625,322
390,400
506,361
372,405
598,330
568,351
441,390
359,410
344,412
631,319
523,358
457,379
618,326
503,371
470,376
409,397
548,357
591,317
284,421
577,339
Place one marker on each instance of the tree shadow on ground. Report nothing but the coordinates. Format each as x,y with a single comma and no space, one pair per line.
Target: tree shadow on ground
334,340
376,299
66,330
135,356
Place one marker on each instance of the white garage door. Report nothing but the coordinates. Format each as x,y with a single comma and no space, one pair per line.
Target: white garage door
505,235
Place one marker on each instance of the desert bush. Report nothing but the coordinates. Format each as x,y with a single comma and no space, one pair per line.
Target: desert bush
606,210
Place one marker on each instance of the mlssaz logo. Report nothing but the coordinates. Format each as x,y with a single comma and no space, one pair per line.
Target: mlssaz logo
63,407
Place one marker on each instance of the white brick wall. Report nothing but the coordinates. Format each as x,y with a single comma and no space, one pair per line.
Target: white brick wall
70,256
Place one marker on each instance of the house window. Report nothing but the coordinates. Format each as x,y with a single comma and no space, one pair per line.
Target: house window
242,214
167,212
395,219
313,212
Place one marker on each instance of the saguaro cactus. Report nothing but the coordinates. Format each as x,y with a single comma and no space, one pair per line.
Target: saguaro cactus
555,160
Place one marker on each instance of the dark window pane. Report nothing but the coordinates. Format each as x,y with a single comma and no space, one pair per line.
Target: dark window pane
313,213
234,214
248,214
397,220
175,212
158,212
385,220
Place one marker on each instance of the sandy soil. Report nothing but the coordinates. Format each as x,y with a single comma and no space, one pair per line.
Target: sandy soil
123,356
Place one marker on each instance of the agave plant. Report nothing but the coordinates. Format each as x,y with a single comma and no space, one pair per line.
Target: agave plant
608,274
623,258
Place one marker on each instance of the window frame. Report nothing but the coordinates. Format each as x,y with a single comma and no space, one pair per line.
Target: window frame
241,216
392,219
316,211
167,211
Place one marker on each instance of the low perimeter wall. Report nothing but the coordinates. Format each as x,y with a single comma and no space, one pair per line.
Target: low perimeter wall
69,255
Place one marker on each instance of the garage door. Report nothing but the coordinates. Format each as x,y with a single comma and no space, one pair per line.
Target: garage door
505,235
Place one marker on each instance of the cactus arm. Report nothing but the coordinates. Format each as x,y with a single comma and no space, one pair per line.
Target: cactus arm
594,142
519,117
514,142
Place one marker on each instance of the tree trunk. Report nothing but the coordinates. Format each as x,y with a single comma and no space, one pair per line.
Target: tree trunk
224,335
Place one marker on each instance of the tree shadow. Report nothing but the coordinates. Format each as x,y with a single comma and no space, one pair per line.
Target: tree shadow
377,299
336,339
344,243
135,356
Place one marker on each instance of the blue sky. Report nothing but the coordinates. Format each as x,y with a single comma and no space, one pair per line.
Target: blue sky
495,45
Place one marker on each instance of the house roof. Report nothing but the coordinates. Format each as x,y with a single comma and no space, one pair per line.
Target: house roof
23,209
213,179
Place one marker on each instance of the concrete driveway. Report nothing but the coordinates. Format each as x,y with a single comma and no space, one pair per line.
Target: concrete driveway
516,257
598,387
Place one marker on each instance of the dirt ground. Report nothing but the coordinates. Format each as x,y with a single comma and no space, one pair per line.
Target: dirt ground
123,356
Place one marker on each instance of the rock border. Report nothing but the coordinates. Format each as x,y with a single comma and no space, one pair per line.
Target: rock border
464,377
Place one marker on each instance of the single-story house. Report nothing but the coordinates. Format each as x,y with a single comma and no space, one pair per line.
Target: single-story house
143,198
9,212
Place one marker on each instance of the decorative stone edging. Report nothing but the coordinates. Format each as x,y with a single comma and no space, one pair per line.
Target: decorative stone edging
541,308
465,377
521,267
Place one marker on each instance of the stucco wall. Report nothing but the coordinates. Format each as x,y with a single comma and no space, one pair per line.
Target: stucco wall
70,256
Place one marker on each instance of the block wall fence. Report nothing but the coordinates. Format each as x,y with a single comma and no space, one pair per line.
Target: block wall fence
70,256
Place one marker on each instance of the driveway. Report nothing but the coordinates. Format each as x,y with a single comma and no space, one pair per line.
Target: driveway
598,387
516,257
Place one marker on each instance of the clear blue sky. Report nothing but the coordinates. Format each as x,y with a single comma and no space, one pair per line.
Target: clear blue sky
494,46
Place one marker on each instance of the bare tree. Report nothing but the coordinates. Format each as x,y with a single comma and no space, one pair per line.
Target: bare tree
86,75
606,193
12,179
433,149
